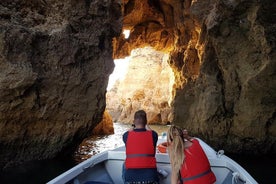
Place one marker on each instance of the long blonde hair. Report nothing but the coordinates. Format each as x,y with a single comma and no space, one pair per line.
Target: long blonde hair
175,141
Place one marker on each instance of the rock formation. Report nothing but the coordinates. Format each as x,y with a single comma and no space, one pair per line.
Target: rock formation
147,85
55,59
223,57
56,56
105,127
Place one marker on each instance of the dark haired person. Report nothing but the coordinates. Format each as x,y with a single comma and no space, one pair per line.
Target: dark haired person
140,142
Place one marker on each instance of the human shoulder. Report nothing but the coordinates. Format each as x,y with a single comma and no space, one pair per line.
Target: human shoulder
154,135
125,135
154,132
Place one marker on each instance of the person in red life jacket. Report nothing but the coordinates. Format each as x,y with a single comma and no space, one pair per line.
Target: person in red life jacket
189,162
140,142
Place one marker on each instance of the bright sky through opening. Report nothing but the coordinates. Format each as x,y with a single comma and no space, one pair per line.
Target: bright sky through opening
119,72
126,32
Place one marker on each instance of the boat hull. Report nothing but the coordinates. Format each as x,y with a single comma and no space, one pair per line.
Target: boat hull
106,167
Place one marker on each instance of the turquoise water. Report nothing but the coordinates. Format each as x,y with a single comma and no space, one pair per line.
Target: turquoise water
261,168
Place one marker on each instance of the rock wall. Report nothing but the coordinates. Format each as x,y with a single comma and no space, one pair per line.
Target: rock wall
56,56
147,85
55,59
231,103
105,127
222,53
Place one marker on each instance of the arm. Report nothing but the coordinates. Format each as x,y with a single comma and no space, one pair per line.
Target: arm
125,137
155,138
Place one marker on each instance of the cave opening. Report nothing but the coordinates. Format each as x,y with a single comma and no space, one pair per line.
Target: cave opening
142,80
126,33
119,72
147,38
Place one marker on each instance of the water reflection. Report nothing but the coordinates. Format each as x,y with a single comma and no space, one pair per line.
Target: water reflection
36,172
99,143
260,168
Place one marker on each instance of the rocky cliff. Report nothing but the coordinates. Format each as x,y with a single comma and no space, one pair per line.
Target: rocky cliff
147,85
222,53
56,56
55,59
232,101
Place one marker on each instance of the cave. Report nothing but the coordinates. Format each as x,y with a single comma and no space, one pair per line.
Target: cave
56,58
147,84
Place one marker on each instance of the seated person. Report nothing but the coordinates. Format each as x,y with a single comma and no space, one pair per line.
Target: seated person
140,163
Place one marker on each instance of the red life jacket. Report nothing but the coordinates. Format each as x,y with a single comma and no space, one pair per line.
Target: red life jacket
196,168
140,151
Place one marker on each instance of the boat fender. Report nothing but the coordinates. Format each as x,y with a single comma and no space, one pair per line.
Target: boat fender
220,153
162,147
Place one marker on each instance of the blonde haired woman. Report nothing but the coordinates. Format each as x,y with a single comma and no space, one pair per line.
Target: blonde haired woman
189,163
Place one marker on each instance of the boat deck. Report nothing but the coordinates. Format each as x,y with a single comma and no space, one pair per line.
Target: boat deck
110,171
106,168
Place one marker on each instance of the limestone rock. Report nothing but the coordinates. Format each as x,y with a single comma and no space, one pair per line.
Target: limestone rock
222,54
56,56
145,86
55,59
232,102
105,127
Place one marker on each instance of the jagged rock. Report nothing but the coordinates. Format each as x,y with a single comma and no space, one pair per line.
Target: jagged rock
145,86
222,56
56,56
55,59
228,103
105,127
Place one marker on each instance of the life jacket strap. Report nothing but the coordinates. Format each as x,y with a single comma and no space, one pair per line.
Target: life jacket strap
196,176
139,155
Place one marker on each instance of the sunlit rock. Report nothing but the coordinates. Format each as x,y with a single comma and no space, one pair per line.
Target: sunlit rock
147,85
105,127
222,54
56,57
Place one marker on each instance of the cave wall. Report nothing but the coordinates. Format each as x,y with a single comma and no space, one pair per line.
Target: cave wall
56,56
232,101
146,85
55,59
222,53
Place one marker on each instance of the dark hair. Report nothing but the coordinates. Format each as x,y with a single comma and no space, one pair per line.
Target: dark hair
141,114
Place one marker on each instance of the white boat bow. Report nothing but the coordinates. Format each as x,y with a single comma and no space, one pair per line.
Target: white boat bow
106,168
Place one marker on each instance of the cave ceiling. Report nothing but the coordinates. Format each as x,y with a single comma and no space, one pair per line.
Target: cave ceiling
150,23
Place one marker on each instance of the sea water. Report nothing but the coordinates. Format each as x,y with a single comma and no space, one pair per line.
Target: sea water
36,172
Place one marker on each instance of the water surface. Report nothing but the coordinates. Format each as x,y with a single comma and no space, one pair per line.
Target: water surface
263,168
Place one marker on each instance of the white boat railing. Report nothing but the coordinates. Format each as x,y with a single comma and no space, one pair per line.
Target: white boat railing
224,167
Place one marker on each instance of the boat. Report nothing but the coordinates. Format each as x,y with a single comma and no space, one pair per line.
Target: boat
106,168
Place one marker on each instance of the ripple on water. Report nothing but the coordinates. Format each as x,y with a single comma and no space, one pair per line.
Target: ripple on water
99,143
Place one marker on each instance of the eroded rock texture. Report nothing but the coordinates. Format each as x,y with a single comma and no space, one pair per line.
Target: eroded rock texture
147,85
223,56
56,56
105,127
55,59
